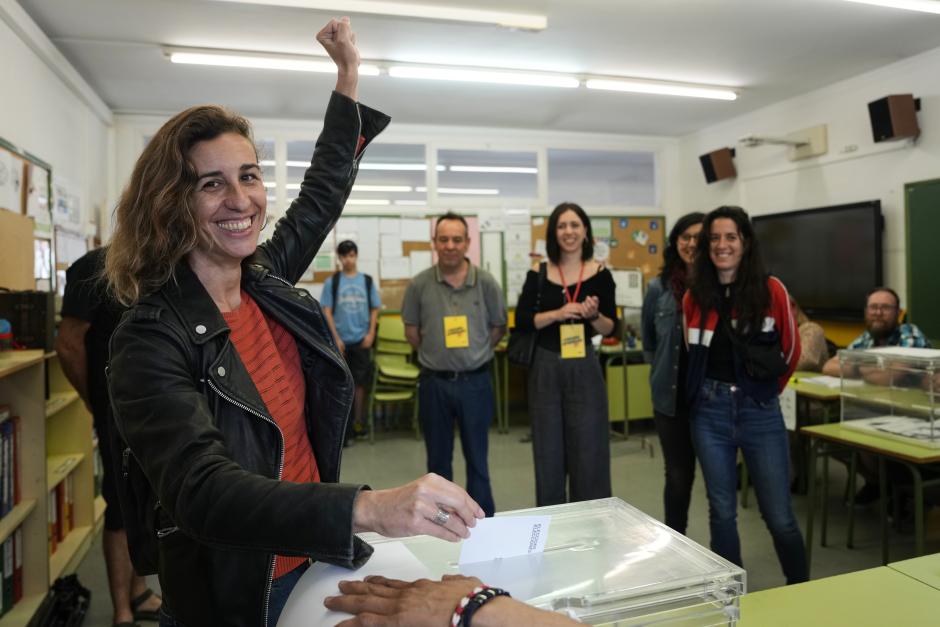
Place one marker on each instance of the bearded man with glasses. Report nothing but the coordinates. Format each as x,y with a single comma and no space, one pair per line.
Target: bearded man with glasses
882,328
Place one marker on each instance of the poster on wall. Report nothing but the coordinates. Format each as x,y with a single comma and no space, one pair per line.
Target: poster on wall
66,204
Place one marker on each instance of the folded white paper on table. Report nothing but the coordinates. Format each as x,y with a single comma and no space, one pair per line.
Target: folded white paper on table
832,382
505,536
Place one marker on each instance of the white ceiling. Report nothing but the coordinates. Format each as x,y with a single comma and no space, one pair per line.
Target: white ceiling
767,49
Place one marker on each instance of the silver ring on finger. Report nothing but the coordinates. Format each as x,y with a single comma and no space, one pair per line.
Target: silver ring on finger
441,517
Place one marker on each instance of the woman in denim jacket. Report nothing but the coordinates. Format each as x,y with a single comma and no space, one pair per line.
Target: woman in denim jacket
664,349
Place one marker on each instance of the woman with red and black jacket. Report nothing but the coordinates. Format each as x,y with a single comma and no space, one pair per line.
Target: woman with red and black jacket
743,346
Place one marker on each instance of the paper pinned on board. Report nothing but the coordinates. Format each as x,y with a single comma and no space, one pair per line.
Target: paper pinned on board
416,230
420,261
505,536
395,268
391,245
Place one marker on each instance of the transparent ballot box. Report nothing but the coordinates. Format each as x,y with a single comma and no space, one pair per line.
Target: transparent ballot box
605,563
892,392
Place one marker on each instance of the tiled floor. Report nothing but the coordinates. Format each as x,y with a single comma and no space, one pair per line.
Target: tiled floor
637,470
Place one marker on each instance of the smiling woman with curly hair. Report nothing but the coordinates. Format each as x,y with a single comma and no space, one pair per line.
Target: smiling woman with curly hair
229,393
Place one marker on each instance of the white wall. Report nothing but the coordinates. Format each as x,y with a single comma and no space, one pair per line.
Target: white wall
47,110
855,168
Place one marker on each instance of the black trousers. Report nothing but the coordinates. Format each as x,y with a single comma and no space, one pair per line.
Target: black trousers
679,457
570,428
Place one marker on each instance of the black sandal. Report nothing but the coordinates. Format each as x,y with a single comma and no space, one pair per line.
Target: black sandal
139,614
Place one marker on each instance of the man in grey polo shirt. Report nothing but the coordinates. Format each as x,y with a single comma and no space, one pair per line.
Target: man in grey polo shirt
454,315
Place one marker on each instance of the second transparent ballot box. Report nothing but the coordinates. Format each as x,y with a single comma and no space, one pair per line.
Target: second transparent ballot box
892,392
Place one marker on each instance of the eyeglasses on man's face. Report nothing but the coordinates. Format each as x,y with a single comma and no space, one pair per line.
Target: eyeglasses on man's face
881,308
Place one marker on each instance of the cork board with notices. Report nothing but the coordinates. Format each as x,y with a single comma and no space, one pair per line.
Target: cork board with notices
621,241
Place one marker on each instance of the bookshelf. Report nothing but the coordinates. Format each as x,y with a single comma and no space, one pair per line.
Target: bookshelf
55,451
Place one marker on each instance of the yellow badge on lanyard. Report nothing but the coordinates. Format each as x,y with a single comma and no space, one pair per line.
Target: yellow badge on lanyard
456,332
572,341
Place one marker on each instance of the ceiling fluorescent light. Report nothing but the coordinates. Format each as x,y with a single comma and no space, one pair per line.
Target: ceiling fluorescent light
414,203
493,169
368,201
524,21
290,164
403,167
463,191
665,89
499,77
233,58
924,6
382,188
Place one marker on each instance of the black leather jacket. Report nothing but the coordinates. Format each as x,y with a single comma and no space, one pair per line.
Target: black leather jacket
191,416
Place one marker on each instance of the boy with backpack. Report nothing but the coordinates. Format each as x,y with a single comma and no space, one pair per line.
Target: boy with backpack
351,303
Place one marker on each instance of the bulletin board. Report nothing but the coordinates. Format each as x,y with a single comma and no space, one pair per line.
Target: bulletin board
392,250
630,241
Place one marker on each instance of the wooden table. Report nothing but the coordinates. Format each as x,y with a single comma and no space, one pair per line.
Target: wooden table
911,456
925,569
878,597
809,394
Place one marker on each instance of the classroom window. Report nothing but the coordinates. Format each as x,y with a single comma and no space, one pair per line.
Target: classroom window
601,178
390,176
486,174
265,148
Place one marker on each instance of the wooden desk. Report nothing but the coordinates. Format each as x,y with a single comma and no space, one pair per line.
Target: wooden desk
877,597
811,390
808,395
925,569
913,457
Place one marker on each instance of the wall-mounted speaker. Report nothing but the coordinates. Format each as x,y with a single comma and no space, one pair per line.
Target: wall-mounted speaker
718,165
894,117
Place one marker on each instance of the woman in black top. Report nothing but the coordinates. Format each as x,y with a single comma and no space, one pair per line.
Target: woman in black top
567,395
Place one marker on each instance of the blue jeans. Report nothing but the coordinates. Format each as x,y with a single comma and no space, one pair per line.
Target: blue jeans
468,399
723,421
280,590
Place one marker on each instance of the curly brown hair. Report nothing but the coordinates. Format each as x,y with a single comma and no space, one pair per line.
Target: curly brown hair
156,226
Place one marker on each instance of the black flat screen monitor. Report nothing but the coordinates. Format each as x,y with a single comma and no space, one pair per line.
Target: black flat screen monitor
828,257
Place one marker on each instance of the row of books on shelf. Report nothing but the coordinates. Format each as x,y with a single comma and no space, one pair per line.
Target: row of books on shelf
61,508
9,460
11,559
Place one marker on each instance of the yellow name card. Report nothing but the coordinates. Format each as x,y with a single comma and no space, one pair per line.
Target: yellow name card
456,332
572,341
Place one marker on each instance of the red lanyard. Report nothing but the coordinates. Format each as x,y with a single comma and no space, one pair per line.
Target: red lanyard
564,285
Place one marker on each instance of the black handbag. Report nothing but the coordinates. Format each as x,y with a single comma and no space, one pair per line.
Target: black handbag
762,361
521,348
